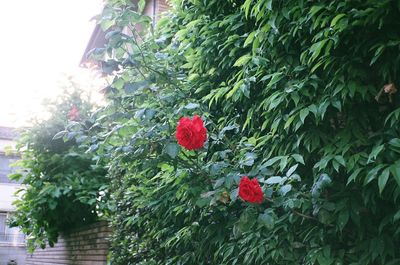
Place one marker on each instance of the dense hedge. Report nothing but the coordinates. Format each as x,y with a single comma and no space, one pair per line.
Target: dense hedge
292,94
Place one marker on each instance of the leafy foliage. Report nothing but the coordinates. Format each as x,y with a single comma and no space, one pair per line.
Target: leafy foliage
63,187
291,93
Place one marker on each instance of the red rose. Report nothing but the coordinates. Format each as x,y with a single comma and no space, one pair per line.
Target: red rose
250,190
73,114
191,133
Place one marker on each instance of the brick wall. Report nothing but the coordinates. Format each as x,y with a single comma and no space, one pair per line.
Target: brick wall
84,246
162,5
155,8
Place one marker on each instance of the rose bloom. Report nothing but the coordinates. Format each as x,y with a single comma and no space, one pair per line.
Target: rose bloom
250,190
73,114
191,133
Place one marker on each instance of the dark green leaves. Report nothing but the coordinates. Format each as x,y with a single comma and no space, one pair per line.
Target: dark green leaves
290,93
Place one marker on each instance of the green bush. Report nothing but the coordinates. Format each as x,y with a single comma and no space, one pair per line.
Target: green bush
291,93
63,186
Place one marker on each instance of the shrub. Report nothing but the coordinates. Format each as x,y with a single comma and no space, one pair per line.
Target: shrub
63,187
291,94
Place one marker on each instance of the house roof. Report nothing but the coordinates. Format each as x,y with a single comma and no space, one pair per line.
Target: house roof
97,40
153,9
7,133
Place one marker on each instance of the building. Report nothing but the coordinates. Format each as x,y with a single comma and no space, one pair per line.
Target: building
12,241
153,9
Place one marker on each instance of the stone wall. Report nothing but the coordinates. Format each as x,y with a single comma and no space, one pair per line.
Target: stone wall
84,246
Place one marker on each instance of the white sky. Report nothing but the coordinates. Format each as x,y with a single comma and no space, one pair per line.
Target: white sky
40,42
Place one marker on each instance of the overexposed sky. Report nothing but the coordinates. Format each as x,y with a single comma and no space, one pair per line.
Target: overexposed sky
40,42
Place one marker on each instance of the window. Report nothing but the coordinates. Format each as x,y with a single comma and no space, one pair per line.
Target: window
9,235
5,168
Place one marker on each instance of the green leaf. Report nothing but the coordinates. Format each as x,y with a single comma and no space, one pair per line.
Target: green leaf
247,219
132,87
289,122
273,161
340,160
234,89
192,106
303,114
336,19
275,78
283,163
106,24
246,6
172,149
60,135
285,189
377,54
375,152
316,48
249,39
248,159
273,180
395,142
371,175
317,65
234,194
396,217
267,220
291,170
315,9
343,219
298,158
395,170
382,180
202,202
242,60
219,182
208,194
353,176
323,162
52,204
